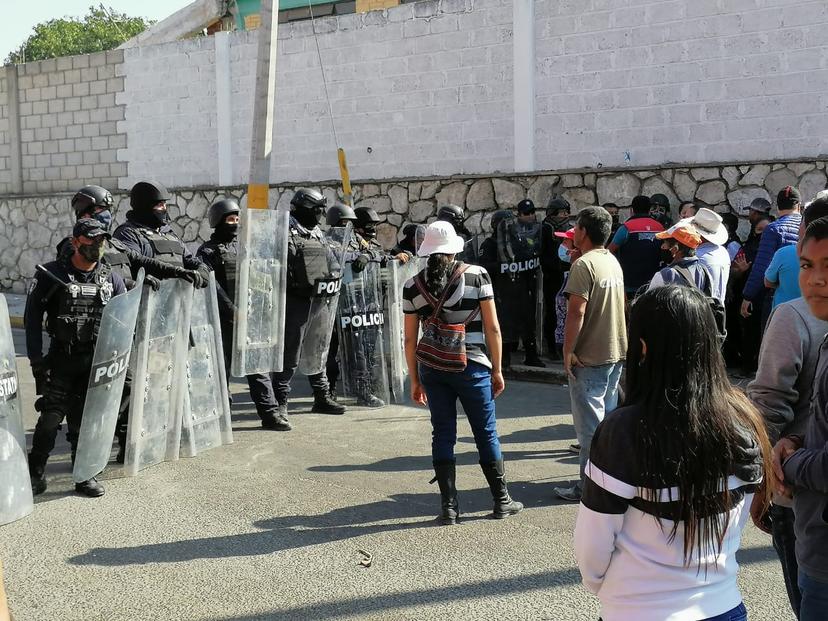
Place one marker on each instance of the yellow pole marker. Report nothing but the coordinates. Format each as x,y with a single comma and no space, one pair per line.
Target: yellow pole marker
346,177
257,195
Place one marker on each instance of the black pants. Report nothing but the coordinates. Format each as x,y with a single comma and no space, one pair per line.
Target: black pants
332,364
260,385
784,542
552,282
361,360
63,397
123,410
297,313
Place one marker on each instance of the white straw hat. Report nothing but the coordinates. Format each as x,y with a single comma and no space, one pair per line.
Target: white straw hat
709,224
440,238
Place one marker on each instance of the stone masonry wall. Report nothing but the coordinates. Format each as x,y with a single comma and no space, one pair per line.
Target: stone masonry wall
30,227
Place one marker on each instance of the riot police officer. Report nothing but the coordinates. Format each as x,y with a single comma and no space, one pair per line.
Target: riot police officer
93,201
72,293
454,215
220,255
148,233
307,263
557,220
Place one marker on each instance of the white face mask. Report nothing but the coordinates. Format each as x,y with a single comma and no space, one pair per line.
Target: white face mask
563,254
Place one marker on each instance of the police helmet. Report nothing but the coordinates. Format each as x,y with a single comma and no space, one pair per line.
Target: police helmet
499,216
220,209
365,216
558,203
90,196
339,213
526,206
147,194
451,213
308,198
409,231
660,200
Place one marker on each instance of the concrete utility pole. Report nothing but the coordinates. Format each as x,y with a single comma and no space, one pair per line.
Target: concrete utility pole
262,142
523,42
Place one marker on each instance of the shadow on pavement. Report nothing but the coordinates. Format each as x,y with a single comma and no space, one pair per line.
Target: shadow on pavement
391,602
756,555
281,533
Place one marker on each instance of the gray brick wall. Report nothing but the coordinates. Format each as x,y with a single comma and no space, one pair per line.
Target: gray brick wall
5,165
68,122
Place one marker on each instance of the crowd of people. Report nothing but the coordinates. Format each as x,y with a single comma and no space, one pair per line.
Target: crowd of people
673,462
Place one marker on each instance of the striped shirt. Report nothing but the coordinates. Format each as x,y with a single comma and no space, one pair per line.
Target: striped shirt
627,558
475,285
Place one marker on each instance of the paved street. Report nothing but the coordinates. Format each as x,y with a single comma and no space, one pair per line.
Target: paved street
272,527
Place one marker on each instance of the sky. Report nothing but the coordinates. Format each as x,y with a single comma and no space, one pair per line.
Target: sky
20,16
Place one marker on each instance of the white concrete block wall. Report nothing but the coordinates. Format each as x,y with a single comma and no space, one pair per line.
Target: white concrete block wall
5,164
646,82
420,89
68,121
170,118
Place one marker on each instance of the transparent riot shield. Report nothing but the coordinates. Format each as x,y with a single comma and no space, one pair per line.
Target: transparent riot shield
258,333
361,340
324,304
106,383
540,310
161,340
396,275
206,421
15,485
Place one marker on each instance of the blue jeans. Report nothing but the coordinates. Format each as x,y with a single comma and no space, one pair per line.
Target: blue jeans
593,393
473,387
814,598
784,542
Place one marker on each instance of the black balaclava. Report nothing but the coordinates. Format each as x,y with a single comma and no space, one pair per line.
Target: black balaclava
307,216
226,232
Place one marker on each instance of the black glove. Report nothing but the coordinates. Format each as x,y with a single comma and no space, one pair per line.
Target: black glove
194,278
360,263
40,370
152,282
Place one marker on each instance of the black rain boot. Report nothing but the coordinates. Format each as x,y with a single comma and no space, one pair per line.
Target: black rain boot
37,467
495,474
323,404
532,359
278,421
90,488
445,473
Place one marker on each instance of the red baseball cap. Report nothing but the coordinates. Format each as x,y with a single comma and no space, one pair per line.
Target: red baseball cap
570,234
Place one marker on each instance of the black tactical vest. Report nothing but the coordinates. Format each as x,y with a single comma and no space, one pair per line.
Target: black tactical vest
80,306
226,274
116,258
166,247
310,264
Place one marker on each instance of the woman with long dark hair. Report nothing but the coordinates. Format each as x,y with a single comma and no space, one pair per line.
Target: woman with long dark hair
671,474
456,294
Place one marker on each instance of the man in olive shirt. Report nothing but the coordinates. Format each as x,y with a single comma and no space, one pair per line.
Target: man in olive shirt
595,334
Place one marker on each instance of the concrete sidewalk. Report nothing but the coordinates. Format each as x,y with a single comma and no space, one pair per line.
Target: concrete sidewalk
275,526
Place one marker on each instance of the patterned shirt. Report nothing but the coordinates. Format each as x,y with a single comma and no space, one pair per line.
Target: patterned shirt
464,299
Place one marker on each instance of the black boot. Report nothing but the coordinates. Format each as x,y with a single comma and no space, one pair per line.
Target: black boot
277,421
323,404
37,467
90,488
444,472
532,359
495,474
366,397
122,442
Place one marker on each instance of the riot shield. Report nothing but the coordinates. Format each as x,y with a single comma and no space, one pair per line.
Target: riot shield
396,275
540,310
161,341
258,332
206,420
324,304
15,485
106,383
361,341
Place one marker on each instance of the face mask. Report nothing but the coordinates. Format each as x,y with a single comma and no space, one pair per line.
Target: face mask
306,217
227,231
105,218
91,252
158,216
369,232
563,254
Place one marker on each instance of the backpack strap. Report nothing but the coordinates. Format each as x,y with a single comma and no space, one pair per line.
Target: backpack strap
685,273
438,304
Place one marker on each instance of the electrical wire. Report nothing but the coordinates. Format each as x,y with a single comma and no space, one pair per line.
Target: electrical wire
324,78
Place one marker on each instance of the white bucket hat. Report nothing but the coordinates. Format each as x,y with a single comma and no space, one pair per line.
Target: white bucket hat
709,225
440,238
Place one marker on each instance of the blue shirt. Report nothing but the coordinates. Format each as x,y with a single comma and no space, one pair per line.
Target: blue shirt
783,232
784,272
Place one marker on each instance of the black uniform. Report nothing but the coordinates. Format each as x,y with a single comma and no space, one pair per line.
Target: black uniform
157,243
220,255
553,274
307,261
73,315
